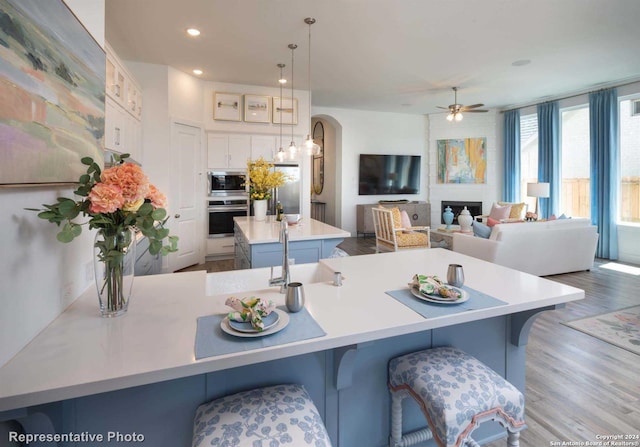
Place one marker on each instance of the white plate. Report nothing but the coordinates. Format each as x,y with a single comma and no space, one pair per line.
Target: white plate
283,321
440,299
246,326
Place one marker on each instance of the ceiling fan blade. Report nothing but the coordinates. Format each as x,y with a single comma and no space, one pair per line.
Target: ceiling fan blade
440,107
475,111
473,106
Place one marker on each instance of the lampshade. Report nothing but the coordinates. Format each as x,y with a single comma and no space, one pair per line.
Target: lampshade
538,189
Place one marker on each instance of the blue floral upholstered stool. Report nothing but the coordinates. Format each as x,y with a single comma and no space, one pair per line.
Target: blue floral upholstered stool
263,417
456,393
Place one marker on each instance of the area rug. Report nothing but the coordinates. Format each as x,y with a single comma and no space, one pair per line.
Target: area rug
620,328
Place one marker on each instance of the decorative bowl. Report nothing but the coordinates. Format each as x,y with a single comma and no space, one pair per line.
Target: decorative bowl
292,219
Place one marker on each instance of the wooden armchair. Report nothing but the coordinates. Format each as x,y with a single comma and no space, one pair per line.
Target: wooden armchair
391,236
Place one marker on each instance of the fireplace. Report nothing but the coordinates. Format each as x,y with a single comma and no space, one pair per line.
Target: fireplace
475,208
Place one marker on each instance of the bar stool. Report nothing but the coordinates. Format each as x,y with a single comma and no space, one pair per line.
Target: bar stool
456,393
275,415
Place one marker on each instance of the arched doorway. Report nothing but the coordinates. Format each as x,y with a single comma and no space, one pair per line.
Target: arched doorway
326,183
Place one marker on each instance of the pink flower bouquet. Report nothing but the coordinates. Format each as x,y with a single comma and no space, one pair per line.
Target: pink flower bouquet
116,201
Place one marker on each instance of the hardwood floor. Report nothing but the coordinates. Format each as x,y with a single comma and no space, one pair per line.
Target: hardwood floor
578,387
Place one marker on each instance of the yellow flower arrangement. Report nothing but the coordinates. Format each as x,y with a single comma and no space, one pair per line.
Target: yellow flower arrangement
262,178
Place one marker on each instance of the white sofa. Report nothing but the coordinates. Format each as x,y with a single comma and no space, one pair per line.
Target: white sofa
539,248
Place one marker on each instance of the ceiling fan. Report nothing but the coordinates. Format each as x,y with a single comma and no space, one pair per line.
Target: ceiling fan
455,109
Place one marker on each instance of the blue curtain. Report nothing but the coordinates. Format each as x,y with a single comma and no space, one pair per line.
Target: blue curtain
603,122
549,155
511,185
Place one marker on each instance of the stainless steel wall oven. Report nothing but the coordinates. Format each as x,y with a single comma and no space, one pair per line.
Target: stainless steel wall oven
227,199
221,213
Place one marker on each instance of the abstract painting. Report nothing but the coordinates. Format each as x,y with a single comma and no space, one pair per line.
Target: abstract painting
52,85
462,160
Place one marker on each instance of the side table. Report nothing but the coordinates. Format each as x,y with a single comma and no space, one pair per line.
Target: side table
443,238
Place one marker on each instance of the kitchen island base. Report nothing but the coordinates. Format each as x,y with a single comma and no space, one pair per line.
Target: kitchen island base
340,381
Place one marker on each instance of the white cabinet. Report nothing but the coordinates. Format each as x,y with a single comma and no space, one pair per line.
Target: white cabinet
263,146
239,151
123,109
220,246
233,150
114,122
123,131
228,151
115,78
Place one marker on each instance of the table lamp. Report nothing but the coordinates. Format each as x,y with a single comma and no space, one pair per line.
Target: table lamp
538,190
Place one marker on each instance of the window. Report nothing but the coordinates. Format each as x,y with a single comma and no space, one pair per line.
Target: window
575,162
629,161
528,156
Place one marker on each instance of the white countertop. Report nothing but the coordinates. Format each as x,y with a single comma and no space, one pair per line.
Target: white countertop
268,231
81,353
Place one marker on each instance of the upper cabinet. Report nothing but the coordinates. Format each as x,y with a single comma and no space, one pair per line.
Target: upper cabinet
123,109
231,151
263,146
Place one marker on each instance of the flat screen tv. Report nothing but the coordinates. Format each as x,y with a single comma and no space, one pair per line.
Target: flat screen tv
389,174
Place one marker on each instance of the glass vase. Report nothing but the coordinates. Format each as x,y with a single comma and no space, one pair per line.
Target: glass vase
114,262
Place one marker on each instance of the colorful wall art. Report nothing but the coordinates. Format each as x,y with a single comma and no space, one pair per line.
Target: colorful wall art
52,85
462,160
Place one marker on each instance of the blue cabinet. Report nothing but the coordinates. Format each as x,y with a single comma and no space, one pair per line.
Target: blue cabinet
270,254
146,263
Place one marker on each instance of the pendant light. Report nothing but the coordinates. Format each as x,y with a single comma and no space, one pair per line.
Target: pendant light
312,148
293,149
280,155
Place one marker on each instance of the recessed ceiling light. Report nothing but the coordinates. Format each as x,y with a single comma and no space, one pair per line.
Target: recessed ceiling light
197,72
521,62
193,32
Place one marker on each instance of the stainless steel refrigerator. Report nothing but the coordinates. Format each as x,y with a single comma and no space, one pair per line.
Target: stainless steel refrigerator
289,193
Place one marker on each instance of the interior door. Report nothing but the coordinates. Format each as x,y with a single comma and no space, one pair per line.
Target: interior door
187,201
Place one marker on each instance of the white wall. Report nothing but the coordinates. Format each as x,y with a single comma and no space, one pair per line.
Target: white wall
40,276
474,125
186,97
365,132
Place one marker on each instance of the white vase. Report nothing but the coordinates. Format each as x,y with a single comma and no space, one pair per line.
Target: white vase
260,209
465,220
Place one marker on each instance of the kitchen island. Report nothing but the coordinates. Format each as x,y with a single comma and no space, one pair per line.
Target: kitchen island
257,242
138,373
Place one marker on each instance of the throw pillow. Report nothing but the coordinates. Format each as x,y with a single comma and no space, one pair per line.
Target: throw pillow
481,230
517,209
500,212
397,220
404,220
552,217
491,222
563,216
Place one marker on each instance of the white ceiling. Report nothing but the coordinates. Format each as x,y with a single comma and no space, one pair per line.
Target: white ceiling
392,55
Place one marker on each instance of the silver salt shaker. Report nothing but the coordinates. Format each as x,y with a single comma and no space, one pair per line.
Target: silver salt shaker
337,279
455,275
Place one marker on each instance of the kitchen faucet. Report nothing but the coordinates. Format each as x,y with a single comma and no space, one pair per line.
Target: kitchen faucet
285,278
